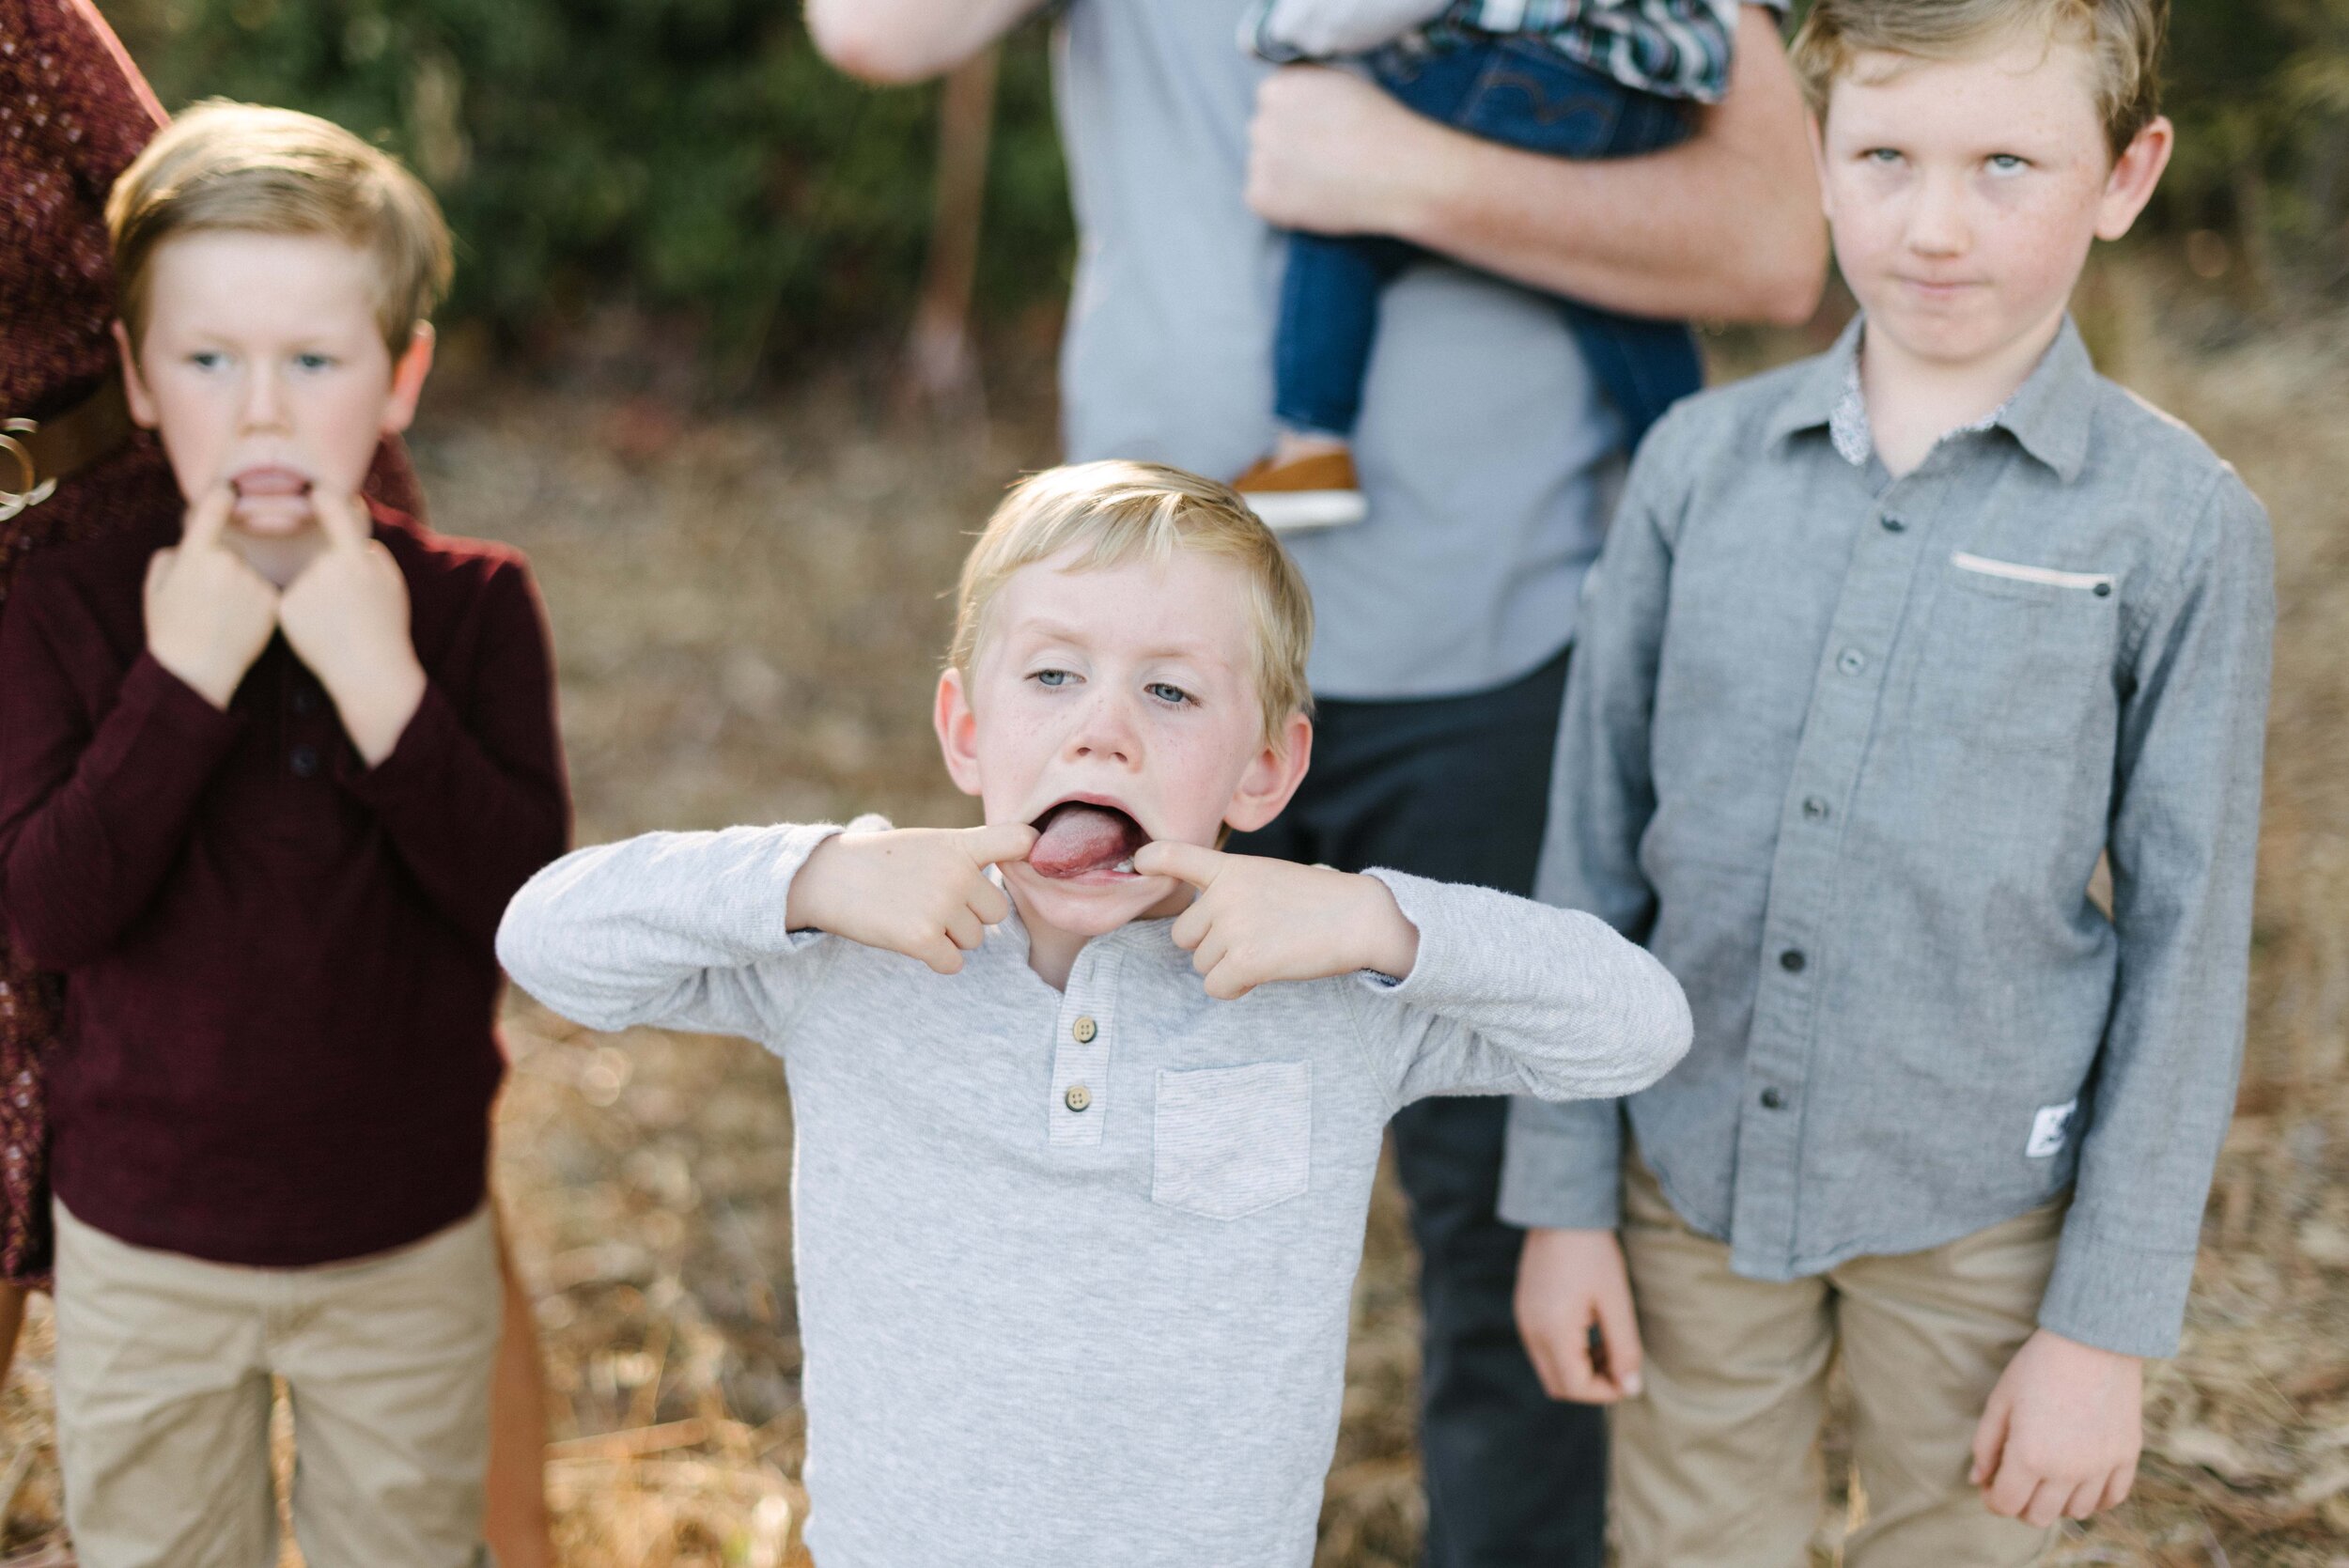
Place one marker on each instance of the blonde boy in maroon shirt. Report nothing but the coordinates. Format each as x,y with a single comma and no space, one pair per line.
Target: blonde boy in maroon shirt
265,789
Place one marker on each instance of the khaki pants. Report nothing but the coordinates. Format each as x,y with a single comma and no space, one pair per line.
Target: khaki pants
164,1369
1716,1466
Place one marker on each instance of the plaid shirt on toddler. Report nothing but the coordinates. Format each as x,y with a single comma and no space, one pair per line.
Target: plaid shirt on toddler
1671,48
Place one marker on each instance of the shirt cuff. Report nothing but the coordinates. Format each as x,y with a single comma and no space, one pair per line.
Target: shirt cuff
416,758
167,709
2125,1300
1256,38
1423,903
1562,1168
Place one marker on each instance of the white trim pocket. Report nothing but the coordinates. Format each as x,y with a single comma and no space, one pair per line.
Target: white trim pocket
2047,577
1229,1142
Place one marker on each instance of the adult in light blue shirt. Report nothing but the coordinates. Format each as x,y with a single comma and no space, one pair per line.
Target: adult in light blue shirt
1488,457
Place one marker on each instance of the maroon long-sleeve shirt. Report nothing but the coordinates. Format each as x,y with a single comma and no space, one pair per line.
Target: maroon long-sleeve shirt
279,1042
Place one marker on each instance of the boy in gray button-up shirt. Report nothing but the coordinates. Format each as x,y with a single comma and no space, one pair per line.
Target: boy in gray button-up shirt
1884,651
1088,1111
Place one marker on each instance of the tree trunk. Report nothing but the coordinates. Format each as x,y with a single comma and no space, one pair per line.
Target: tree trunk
941,371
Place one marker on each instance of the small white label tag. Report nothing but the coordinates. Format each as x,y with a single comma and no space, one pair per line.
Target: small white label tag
2048,1128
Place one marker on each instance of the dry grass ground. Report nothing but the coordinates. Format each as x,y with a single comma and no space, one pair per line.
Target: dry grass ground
747,616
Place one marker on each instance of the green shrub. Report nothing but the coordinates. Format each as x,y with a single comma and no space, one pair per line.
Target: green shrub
693,159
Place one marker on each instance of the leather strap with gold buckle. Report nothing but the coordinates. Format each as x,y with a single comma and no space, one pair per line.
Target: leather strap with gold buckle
41,451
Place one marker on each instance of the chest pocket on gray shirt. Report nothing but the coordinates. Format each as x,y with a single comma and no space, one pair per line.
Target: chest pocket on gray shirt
1229,1142
2017,655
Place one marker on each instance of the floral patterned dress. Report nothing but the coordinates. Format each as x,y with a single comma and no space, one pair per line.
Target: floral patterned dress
73,113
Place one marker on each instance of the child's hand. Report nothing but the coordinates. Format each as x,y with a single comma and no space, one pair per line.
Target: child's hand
1257,918
2061,1435
1568,1283
922,892
346,618
209,616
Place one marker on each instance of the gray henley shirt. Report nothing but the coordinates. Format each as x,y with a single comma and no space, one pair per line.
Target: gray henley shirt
1074,1267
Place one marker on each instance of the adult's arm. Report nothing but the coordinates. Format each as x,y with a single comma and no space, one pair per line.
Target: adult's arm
888,42
1724,226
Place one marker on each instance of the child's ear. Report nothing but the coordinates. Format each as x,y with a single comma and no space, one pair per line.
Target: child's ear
408,373
2135,173
1272,777
134,384
957,731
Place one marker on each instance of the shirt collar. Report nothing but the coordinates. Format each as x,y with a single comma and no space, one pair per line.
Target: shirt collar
1811,404
2049,414
1135,935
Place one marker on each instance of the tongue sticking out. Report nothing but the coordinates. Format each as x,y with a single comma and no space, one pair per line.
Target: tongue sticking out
1078,838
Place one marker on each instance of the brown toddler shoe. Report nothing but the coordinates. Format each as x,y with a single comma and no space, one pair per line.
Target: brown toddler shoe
1303,494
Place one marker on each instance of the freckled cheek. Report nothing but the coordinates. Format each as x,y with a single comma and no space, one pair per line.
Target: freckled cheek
1013,751
1193,779
197,433
342,433
1866,249
2033,252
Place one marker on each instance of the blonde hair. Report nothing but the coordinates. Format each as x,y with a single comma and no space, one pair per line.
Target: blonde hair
1117,512
2125,36
238,166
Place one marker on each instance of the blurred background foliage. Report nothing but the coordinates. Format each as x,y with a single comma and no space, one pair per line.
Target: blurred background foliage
693,161
694,166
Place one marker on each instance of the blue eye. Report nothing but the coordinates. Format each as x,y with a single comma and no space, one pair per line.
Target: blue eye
207,359
1172,695
1881,155
2007,162
1051,679
313,362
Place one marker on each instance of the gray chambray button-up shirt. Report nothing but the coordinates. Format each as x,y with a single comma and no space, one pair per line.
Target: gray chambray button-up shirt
1843,751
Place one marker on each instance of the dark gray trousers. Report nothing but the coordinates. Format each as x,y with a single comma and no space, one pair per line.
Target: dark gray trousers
1458,788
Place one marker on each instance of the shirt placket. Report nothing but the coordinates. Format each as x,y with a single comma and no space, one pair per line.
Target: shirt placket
305,720
1798,927
1084,1030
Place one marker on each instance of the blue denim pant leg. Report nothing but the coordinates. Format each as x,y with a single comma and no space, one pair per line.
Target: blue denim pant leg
1522,94
1328,317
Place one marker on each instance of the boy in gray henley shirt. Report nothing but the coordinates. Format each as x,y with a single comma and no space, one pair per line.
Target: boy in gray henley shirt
1088,1112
